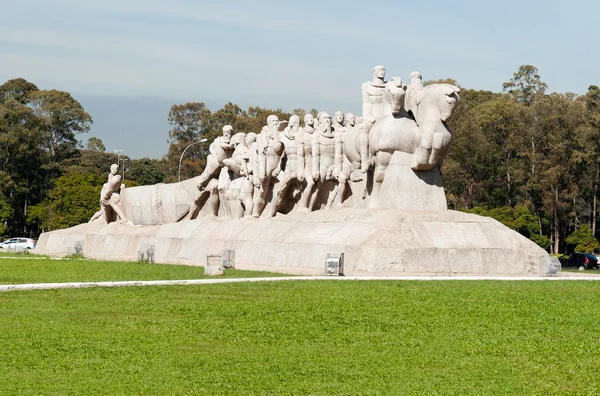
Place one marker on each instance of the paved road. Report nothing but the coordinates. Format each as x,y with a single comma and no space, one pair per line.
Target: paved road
566,276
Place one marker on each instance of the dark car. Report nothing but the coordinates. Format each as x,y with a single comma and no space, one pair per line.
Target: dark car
582,261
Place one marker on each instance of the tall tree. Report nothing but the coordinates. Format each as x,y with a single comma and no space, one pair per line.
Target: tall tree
525,84
191,122
62,118
95,144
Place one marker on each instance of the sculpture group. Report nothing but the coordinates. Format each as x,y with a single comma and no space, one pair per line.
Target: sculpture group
323,163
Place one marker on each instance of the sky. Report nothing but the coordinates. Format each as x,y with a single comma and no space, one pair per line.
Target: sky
128,61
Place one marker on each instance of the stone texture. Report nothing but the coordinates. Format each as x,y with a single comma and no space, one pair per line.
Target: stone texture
374,242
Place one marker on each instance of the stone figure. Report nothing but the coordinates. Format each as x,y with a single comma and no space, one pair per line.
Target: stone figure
269,150
323,156
380,99
373,95
232,180
343,169
305,140
338,121
220,149
292,169
110,199
251,159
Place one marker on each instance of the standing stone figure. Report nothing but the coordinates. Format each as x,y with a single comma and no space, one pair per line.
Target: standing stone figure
305,146
343,169
292,171
233,176
323,155
269,155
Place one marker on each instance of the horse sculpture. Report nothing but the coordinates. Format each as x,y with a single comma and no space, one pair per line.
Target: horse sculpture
427,137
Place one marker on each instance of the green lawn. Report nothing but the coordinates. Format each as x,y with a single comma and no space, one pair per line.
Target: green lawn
305,337
18,269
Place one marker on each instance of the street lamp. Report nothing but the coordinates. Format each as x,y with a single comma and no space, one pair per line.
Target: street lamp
184,150
124,159
118,152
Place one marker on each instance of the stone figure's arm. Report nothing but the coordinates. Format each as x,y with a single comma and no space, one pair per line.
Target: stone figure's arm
338,159
366,100
316,155
212,149
261,170
301,159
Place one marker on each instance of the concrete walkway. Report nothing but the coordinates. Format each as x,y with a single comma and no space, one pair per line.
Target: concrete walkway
79,285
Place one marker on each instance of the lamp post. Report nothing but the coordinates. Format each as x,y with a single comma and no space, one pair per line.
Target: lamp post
124,159
118,152
184,150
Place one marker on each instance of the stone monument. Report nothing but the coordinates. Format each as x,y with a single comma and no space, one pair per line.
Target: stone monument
284,198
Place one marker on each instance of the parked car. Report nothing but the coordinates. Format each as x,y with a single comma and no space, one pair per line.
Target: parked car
18,243
582,261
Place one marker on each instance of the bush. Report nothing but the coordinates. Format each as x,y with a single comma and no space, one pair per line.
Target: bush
583,240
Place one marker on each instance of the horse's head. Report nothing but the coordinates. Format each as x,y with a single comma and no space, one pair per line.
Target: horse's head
438,100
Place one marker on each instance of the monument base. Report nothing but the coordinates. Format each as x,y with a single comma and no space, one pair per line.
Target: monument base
374,242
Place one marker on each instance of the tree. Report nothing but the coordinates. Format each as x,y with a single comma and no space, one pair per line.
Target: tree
525,84
189,121
450,81
146,171
17,89
73,200
95,144
62,118
591,144
582,240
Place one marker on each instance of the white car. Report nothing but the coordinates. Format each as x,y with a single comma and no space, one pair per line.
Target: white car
18,244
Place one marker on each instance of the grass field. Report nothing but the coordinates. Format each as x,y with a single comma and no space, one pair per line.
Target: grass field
304,337
18,269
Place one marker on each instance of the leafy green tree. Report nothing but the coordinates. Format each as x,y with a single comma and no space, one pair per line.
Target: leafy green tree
73,200
590,134
17,89
191,122
95,144
146,171
450,81
518,218
525,85
62,118
582,240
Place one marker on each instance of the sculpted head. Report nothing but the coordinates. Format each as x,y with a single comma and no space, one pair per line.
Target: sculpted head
227,132
114,169
238,138
379,72
339,117
273,120
250,138
350,119
324,119
308,120
441,98
294,121
416,75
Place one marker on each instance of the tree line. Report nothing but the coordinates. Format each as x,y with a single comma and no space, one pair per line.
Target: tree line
528,158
